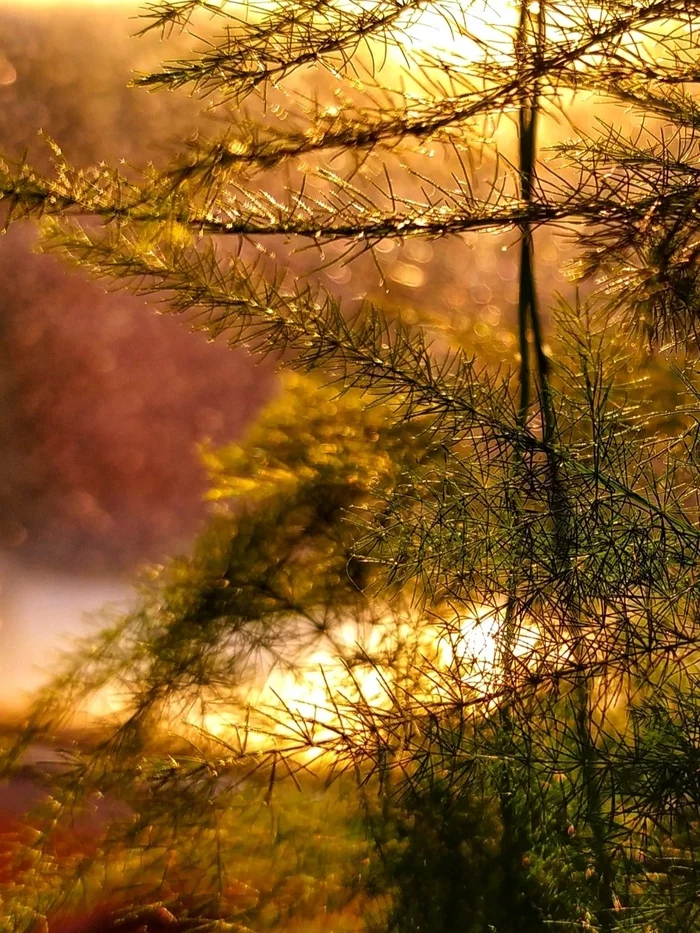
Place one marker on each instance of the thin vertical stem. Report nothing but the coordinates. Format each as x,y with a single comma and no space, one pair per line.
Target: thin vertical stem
514,839
532,26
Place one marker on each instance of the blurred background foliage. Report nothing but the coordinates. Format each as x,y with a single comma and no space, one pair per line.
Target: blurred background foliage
103,404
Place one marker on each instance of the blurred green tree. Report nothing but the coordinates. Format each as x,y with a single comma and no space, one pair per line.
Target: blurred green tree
469,583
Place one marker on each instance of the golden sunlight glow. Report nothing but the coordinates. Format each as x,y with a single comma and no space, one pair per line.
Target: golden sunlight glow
421,663
74,3
439,27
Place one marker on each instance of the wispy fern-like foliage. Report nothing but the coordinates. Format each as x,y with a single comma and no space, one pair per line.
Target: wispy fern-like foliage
469,583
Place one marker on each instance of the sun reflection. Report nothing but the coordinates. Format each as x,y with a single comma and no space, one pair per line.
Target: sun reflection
375,669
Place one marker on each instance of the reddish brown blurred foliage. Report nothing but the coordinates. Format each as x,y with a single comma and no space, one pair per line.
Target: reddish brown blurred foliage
101,403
